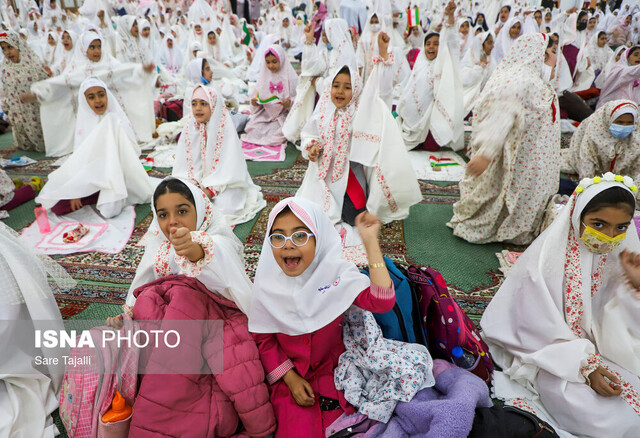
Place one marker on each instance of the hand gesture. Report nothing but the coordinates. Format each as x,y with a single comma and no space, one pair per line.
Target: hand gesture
148,68
383,44
477,165
572,10
450,8
180,238
314,151
28,97
254,101
368,226
483,60
48,70
308,33
286,104
630,262
300,389
600,385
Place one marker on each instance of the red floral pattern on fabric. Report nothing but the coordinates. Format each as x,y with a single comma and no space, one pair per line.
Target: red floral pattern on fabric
193,269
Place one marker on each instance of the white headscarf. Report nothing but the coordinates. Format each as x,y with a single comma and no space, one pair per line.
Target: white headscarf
87,119
65,57
225,274
171,58
471,61
284,80
599,56
504,40
210,153
561,303
308,302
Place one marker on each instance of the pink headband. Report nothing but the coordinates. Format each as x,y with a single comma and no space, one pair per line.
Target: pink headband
273,52
200,93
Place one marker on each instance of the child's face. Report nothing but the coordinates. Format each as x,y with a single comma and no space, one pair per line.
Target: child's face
612,220
634,58
212,38
514,31
272,63
602,40
145,32
198,28
51,40
464,28
207,73
341,92
134,30
431,47
487,46
625,120
67,42
201,110
504,14
292,259
94,52
170,43
97,99
10,52
175,211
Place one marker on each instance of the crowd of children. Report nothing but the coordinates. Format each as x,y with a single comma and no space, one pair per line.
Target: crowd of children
355,85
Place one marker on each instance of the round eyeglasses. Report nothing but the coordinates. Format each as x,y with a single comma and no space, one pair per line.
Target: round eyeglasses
299,238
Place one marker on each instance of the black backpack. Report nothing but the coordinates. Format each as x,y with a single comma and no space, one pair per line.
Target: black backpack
509,422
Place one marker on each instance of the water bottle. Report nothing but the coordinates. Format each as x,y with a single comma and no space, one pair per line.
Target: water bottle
462,358
42,219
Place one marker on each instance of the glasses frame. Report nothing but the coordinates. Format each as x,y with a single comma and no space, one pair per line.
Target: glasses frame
286,238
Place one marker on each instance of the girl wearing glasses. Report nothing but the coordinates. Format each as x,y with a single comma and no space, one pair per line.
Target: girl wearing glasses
301,289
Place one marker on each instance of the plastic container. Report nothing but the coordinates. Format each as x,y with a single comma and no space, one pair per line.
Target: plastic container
119,410
42,219
462,358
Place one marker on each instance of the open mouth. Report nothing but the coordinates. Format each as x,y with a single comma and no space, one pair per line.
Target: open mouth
292,262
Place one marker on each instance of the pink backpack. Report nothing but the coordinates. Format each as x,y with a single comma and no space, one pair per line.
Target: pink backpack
445,324
88,387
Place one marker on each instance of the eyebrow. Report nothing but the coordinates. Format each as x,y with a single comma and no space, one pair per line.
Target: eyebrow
595,219
302,227
183,205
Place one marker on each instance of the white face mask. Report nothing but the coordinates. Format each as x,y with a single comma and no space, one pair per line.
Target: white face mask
375,28
546,72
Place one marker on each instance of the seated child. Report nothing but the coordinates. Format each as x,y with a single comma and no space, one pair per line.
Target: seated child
301,290
104,168
209,154
14,193
271,100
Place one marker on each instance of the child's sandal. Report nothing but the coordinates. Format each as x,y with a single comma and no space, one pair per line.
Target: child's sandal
75,235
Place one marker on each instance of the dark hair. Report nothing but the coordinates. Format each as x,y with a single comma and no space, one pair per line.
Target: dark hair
282,212
601,33
551,42
500,11
611,197
484,21
631,50
343,71
173,185
430,35
204,62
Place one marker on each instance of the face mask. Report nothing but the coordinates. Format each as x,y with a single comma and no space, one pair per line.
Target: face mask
546,72
582,25
329,47
599,243
375,28
204,81
619,131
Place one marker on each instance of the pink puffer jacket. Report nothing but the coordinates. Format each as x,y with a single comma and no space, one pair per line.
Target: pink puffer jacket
206,405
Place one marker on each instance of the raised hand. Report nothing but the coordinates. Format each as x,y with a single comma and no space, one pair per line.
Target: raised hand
630,262
180,238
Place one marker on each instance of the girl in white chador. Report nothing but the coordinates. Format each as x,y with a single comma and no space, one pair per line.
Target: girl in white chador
104,168
564,325
476,68
209,153
431,105
132,84
28,396
606,142
514,169
358,160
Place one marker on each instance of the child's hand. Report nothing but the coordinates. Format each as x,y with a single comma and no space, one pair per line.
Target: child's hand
148,68
286,104
314,151
76,204
630,262
383,45
116,322
368,226
478,165
308,33
300,389
180,238
601,386
254,101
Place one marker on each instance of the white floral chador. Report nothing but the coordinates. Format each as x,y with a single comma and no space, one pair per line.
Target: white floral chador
594,150
562,312
516,125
